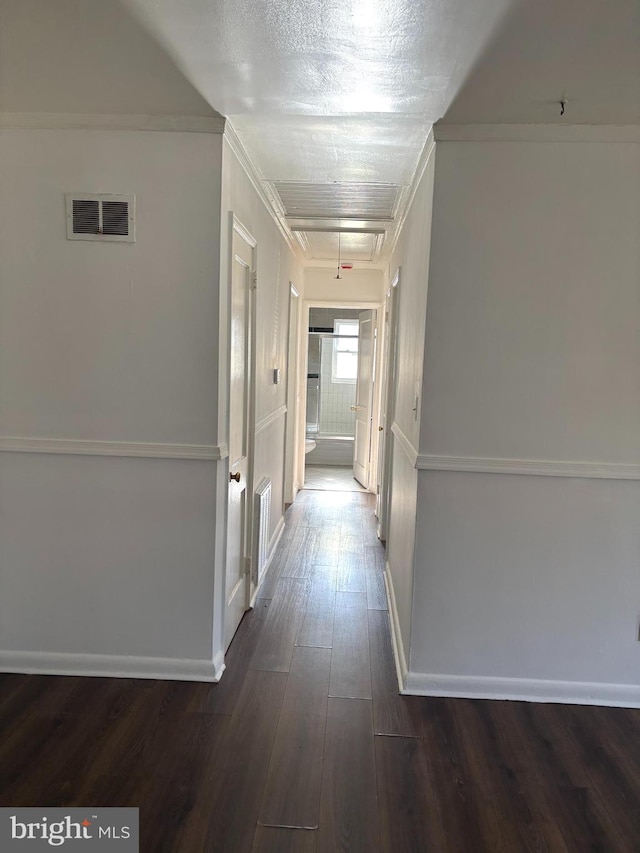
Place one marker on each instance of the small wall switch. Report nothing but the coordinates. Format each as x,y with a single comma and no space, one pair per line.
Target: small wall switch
276,375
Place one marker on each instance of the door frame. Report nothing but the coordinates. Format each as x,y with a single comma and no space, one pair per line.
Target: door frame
388,398
292,484
304,361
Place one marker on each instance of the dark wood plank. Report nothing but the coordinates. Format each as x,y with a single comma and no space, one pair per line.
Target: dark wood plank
272,839
374,558
350,575
349,807
376,591
221,698
494,773
317,625
613,775
579,812
299,553
190,747
282,625
393,714
350,667
299,744
225,811
409,818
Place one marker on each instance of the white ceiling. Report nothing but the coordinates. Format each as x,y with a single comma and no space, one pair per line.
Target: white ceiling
326,91
323,91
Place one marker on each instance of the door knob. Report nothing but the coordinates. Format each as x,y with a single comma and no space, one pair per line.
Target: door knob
235,477
380,429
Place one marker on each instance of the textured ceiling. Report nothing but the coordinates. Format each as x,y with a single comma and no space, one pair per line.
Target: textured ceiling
329,91
325,91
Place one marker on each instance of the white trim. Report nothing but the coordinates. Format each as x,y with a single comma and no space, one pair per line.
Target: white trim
255,179
112,666
396,635
425,156
80,447
405,443
540,468
273,544
536,132
271,418
527,689
246,235
114,121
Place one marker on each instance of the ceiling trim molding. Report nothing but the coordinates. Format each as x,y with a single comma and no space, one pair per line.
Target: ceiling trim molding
423,160
112,121
302,238
535,467
256,181
82,447
536,133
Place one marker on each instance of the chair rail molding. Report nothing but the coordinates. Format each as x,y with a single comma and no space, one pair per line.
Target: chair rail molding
271,418
81,447
534,467
405,443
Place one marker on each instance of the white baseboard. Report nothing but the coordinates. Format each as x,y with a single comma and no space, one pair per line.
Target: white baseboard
396,636
273,544
112,666
523,689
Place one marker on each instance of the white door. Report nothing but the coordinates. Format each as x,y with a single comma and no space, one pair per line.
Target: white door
238,520
364,398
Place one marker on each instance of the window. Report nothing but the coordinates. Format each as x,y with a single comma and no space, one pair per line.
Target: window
345,351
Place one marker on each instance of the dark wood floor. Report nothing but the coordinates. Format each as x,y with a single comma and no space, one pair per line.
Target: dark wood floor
306,746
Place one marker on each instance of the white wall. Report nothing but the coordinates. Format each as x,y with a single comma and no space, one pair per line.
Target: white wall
115,342
357,285
86,56
412,256
532,353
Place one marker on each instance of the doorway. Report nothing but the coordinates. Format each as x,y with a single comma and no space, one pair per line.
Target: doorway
341,398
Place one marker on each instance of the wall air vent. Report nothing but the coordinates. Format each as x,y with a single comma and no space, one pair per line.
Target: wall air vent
105,217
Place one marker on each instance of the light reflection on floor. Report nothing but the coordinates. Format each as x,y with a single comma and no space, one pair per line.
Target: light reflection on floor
331,478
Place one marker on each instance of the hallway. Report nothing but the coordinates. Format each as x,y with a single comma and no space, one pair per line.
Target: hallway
305,745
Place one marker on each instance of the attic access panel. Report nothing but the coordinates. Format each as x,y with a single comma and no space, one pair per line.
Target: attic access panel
105,217
372,201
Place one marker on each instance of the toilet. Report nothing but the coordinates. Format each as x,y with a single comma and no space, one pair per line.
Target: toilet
309,445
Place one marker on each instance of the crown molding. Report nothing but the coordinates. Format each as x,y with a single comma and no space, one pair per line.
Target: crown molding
75,447
409,193
536,132
108,121
231,136
535,467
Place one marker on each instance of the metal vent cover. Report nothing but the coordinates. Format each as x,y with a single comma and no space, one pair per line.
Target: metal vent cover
105,217
302,200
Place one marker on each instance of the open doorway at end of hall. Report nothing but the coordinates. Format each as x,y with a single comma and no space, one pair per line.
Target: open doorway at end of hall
342,400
